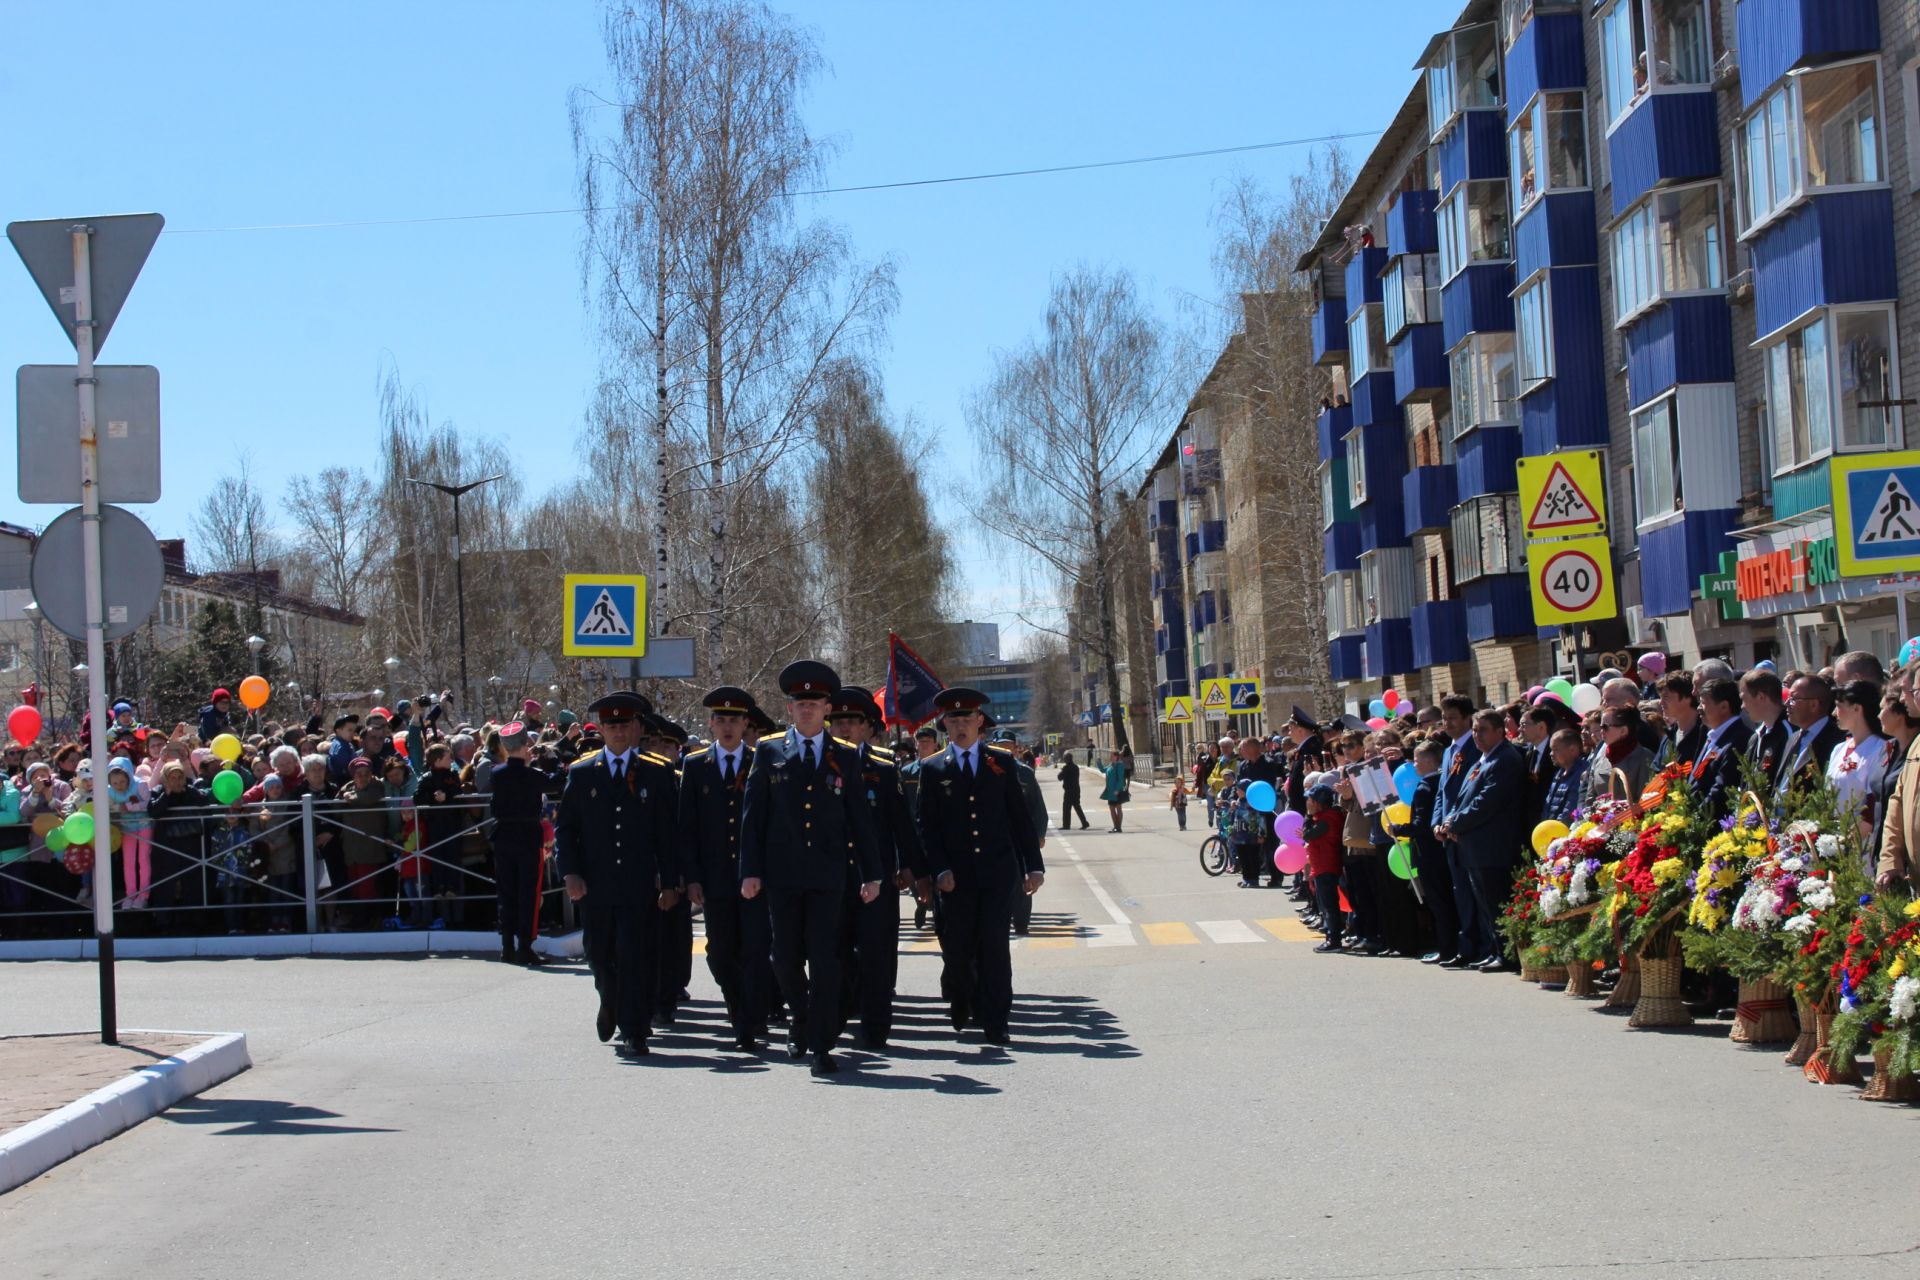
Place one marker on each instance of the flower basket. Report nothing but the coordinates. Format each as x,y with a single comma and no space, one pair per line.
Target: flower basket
1554,975
1626,992
1762,1015
1889,1084
1659,1004
1803,1044
1580,980
1825,1066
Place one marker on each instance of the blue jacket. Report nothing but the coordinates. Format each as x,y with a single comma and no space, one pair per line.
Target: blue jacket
213,723
1454,763
1487,820
1563,793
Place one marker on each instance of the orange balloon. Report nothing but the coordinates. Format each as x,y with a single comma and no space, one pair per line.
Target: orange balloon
254,692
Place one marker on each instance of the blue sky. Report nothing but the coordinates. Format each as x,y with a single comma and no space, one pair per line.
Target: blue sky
270,343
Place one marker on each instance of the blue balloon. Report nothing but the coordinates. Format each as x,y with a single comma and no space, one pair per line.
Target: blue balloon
1261,796
1378,707
1406,780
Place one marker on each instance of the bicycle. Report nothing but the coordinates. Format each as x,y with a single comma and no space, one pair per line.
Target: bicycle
1216,853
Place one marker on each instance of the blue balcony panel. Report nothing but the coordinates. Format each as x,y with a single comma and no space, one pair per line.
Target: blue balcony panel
1390,647
1682,340
1474,149
1569,410
1674,556
1170,604
1427,495
1383,523
1329,324
1775,36
1558,231
1346,657
1334,424
1420,363
1478,300
1804,490
1411,226
1374,404
1498,606
1833,249
1666,137
1440,633
1163,515
1341,543
1549,54
1363,277
1486,462
1213,536
1193,545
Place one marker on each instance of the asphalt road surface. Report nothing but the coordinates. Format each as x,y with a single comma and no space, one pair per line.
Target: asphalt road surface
1191,1092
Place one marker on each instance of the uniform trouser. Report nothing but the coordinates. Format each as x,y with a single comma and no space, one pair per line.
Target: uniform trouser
1436,888
873,930
738,954
676,955
1070,805
978,970
1476,932
516,874
1491,885
623,950
1022,902
806,960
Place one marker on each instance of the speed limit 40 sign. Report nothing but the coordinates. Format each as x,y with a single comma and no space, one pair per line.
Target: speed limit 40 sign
1572,581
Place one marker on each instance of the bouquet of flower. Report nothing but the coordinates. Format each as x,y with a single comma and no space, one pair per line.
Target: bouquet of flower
1522,913
1878,980
1654,881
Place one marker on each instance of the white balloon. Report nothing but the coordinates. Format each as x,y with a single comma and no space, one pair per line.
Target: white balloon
1585,698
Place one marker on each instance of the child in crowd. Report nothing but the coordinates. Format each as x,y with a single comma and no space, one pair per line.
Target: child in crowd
1324,862
1243,833
127,802
273,842
1177,801
1569,779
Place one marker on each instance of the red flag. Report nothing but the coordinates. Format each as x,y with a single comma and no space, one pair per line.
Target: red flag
1344,904
908,698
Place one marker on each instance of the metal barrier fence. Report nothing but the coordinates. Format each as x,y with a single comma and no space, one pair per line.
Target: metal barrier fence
288,866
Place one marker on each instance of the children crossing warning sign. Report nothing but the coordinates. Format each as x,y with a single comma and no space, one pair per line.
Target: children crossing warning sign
1215,697
606,615
1562,494
1876,522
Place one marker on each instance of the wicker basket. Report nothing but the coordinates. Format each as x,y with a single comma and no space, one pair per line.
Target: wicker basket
1887,1087
1527,972
1822,1067
1763,1015
1554,975
1803,1045
1580,980
1659,1004
1626,992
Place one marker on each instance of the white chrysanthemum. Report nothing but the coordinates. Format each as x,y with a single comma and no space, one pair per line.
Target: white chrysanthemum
1803,828
1793,864
1551,902
1816,894
1828,845
1799,924
1906,995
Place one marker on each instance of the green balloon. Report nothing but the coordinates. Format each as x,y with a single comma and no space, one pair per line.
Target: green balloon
79,827
1561,688
227,786
56,840
1400,860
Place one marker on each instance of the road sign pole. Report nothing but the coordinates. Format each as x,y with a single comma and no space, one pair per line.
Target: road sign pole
96,623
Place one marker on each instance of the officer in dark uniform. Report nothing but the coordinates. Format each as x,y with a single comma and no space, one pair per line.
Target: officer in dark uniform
616,842
979,841
759,725
803,810
516,797
1006,742
871,933
713,787
661,741
926,743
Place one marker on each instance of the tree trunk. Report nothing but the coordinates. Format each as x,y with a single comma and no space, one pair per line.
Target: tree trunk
662,425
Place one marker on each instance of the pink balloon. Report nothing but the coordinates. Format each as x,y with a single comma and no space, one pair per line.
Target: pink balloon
1289,858
1287,826
1375,722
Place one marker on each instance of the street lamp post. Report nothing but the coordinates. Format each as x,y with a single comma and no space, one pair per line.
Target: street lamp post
455,491
493,694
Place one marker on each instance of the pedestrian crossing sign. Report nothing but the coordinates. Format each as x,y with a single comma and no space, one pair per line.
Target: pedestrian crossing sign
1215,697
1243,697
1876,521
606,615
1179,710
1562,495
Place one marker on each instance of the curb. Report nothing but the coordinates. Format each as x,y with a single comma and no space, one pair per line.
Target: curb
39,1145
399,942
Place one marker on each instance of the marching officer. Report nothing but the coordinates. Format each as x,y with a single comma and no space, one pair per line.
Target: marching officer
926,743
713,787
661,741
978,838
616,843
517,795
872,930
1005,742
802,813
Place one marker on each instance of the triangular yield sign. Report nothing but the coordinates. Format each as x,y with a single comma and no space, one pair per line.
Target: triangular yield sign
1562,503
119,248
605,618
1893,518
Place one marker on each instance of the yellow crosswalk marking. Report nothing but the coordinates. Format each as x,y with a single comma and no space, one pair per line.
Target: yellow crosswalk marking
1287,929
1168,934
925,944
1037,943
700,945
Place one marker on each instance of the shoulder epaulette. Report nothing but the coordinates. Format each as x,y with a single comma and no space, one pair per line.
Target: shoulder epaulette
839,741
1005,751
881,753
589,757
700,754
655,758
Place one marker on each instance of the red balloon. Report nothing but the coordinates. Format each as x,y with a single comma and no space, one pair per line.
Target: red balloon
1391,697
24,724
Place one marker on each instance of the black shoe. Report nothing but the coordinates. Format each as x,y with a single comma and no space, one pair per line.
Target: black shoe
1455,962
631,1049
746,1044
603,1023
823,1065
1329,945
1434,957
996,1038
508,955
663,1020
532,959
958,1016
797,1047
1492,964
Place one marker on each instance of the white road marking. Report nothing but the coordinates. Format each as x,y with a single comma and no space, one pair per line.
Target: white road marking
1111,935
1225,931
1099,895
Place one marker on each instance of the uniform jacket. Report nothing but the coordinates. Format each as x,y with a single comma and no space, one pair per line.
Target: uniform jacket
1069,779
1716,770
977,827
1488,818
1036,801
796,827
1428,856
893,827
1310,756
516,795
709,816
1684,749
619,838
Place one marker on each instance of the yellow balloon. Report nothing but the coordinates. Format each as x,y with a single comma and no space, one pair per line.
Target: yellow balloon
1582,831
1398,814
226,746
1546,833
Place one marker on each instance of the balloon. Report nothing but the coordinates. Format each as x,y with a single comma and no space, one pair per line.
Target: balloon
1287,826
1398,814
400,745
1400,860
1376,724
254,692
78,859
1406,780
57,839
1392,698
1546,833
1561,687
79,827
1586,698
1289,858
226,746
23,723
1261,796
227,786
1393,713
1533,692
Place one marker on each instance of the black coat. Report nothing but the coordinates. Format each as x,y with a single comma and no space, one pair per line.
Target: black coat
516,797
1309,757
976,827
1770,749
1716,773
1069,780
893,825
619,839
799,830
710,816
1812,768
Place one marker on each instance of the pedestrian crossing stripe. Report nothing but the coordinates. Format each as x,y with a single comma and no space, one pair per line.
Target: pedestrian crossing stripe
1074,936
605,615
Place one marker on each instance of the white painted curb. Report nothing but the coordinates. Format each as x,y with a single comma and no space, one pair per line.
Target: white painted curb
382,942
37,1146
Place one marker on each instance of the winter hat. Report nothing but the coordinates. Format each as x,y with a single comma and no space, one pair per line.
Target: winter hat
219,694
530,707
1653,662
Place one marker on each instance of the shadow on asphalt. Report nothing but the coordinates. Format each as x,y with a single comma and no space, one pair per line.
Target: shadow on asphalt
260,1117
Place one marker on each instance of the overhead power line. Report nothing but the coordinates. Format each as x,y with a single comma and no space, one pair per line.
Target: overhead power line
818,191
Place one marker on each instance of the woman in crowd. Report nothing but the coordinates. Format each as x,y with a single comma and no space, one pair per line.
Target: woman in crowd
1627,765
1855,764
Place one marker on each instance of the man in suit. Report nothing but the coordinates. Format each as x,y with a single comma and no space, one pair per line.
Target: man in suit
1686,732
980,842
1430,868
713,787
1761,700
516,796
1536,728
1456,721
616,844
1715,773
801,820
1070,794
1814,736
870,935
1486,824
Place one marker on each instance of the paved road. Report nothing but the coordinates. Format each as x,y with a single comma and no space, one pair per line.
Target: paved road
1191,1092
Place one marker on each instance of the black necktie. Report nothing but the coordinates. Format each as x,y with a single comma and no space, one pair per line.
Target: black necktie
807,752
619,768
729,770
966,759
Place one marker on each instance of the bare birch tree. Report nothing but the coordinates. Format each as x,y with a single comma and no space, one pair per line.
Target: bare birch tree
232,529
334,517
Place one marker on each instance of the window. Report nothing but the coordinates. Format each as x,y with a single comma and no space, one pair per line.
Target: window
1429,444
1669,245
1370,587
1864,378
1473,227
1412,292
1488,537
1515,14
1548,147
1484,390
1799,400
1656,461
1681,57
1356,468
1463,73
1819,130
1533,332
1343,603
1328,505
1367,340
